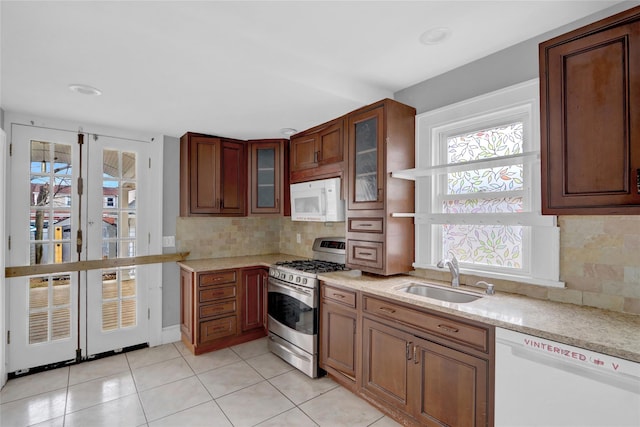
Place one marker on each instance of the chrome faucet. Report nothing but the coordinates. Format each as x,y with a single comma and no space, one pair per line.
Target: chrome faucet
453,267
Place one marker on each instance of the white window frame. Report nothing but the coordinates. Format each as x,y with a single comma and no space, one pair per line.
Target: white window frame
541,238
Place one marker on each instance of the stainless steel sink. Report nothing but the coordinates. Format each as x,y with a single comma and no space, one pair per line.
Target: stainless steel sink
436,292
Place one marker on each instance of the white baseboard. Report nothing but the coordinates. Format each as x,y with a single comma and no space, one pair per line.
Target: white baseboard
170,334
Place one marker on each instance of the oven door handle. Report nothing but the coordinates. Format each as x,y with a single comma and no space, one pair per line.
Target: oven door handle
309,298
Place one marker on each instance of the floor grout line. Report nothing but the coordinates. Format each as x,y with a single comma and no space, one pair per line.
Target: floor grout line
268,368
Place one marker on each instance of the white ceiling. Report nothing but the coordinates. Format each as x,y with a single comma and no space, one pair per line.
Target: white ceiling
244,69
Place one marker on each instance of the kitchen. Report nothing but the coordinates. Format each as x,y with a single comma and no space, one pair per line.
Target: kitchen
592,249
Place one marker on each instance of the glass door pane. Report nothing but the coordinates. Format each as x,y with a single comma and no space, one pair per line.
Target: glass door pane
266,178
366,160
119,290
50,198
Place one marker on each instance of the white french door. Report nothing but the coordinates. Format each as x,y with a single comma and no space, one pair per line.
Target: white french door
116,300
60,316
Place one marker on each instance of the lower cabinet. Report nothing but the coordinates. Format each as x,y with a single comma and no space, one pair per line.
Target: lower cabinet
254,302
339,331
418,366
434,384
220,308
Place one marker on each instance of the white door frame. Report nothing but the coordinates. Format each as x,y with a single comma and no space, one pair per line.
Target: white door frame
3,313
155,223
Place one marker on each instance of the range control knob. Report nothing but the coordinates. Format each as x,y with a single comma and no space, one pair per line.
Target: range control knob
304,281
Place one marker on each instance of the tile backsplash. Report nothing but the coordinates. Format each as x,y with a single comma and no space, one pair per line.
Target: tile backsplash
219,237
599,255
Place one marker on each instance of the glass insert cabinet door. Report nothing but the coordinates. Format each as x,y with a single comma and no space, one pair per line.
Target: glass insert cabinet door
266,169
366,152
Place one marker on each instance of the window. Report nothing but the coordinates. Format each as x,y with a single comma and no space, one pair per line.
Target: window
478,189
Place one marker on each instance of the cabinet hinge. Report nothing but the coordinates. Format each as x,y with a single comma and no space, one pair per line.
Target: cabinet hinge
80,186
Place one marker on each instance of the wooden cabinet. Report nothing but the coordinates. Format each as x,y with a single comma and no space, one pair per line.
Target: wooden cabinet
339,332
187,314
213,176
590,116
268,177
212,313
318,152
381,139
428,369
253,307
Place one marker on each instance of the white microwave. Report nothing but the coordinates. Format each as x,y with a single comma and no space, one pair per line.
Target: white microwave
317,201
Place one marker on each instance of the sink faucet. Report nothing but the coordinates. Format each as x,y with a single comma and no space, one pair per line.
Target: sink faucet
453,267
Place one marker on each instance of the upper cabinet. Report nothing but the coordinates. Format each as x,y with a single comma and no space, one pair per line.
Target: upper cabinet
318,152
213,176
381,139
268,177
590,118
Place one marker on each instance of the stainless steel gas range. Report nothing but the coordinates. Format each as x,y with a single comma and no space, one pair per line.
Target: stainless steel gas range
293,303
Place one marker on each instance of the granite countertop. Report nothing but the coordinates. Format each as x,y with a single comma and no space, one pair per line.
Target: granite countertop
603,331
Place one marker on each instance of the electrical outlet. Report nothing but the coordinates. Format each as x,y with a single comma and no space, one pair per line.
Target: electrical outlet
168,241
298,238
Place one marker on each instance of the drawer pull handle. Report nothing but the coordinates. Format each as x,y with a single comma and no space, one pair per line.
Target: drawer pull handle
368,224
387,309
448,328
338,295
366,253
409,344
415,354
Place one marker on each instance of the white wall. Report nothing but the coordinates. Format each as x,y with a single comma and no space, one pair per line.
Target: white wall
171,211
515,64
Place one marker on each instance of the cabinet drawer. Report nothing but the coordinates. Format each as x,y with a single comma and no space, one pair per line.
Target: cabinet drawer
225,307
369,254
341,296
366,225
218,328
219,292
217,278
473,336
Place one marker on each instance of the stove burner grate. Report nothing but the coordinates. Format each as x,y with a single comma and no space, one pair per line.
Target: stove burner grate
313,266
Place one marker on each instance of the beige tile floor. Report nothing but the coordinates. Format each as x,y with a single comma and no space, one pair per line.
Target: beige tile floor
244,385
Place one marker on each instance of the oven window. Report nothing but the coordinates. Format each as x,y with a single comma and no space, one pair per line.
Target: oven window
293,313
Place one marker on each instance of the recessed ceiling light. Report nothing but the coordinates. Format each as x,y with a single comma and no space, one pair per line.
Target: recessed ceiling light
435,35
288,131
85,89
